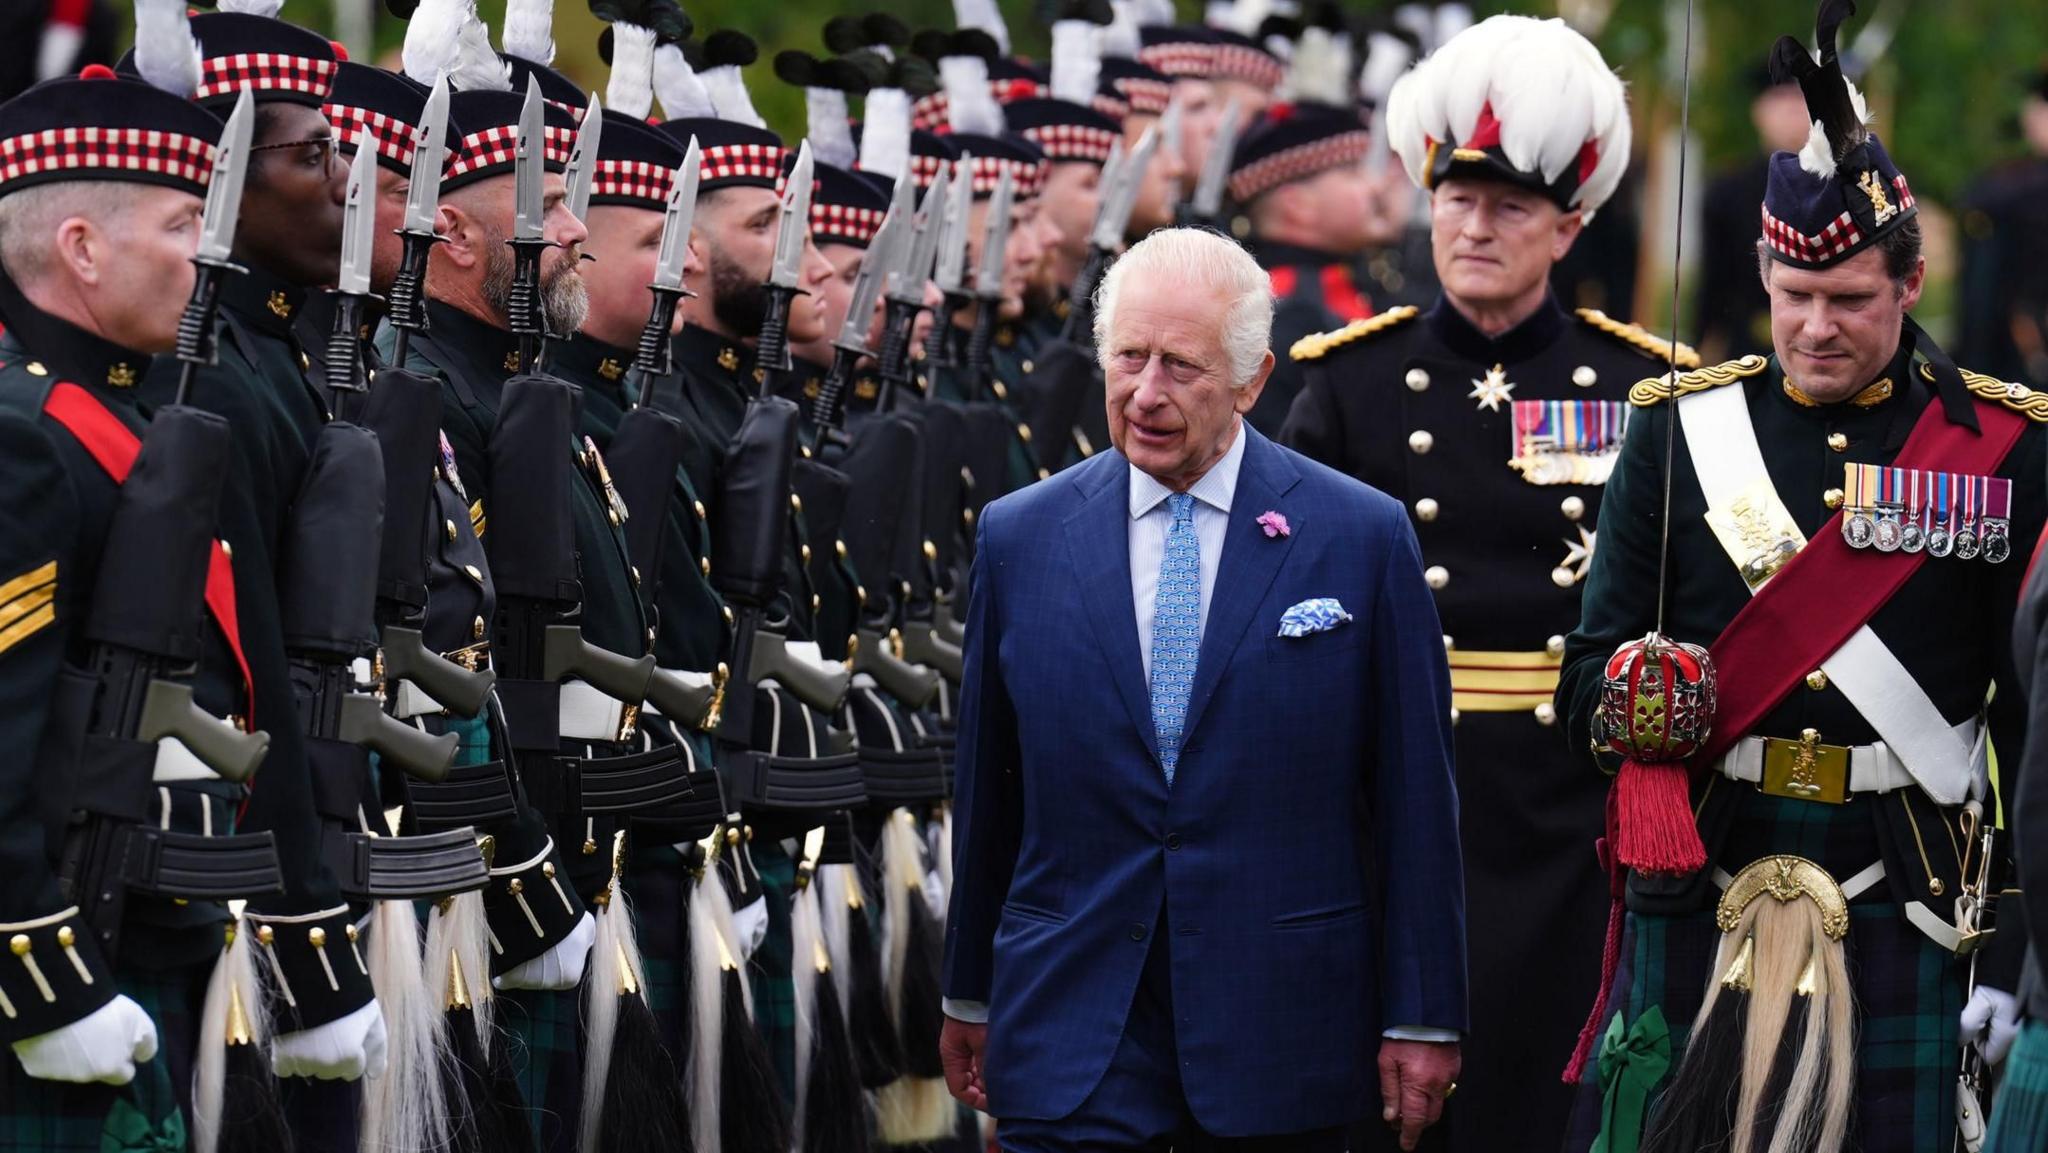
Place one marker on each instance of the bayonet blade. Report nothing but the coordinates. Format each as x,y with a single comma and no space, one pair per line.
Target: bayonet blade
1106,190
900,226
581,173
224,190
951,266
995,239
359,219
1208,198
787,270
867,286
429,153
528,163
1119,200
678,214
907,286
1170,124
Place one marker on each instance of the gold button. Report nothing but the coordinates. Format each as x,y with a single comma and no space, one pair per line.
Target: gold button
613,516
1838,441
697,506
1420,442
547,869
476,574
66,937
1563,577
589,847
997,387
1436,576
796,502
316,937
1546,714
1454,714
705,564
227,550
1425,510
732,836
1554,646
1935,886
265,935
304,362
1584,376
1832,498
350,930
515,886
760,374
449,526
839,548
1417,380
19,943
804,551
476,629
1572,507
636,572
1817,680
35,368
1027,366
816,604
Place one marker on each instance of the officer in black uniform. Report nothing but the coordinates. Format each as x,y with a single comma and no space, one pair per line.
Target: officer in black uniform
85,304
1495,417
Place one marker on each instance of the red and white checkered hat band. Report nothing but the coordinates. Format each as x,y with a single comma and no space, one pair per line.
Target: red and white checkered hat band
1839,238
393,137
499,147
1073,141
1181,59
1147,97
1025,179
1296,163
264,72
844,223
59,150
744,161
924,170
1114,107
1236,62
929,113
575,111
631,180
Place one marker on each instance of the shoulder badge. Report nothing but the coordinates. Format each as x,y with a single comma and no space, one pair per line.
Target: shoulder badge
1639,337
2028,402
1654,391
1319,344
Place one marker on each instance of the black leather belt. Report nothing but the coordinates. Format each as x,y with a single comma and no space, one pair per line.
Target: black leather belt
795,784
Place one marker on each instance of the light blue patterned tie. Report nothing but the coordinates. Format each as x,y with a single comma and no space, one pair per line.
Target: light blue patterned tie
1176,630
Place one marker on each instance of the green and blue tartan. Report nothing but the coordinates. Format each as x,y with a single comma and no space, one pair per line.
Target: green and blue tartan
768,969
147,1115
1908,990
546,1027
2019,1115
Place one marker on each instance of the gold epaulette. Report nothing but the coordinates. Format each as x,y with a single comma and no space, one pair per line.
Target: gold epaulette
1654,391
2028,402
1637,336
1314,346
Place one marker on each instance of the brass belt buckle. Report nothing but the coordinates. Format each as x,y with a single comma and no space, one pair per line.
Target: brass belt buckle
1805,769
471,657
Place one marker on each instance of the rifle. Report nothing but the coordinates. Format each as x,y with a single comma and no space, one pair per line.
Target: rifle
905,290
950,268
988,284
785,272
1112,216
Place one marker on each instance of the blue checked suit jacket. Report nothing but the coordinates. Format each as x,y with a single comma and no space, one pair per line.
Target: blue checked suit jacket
1307,854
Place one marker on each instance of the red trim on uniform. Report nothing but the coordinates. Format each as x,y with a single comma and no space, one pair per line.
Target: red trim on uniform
115,446
1341,295
1283,282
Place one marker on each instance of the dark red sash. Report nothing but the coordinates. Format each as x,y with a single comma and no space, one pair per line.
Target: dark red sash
115,447
1818,601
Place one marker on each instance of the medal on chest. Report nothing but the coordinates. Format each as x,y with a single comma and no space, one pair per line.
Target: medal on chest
1913,510
1566,441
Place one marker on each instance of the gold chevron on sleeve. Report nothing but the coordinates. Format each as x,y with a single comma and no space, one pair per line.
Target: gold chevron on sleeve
476,518
27,604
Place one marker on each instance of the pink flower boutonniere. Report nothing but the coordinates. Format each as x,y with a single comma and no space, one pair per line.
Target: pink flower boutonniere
1274,524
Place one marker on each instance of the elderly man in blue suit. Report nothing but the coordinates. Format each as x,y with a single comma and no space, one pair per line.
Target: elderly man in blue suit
1207,893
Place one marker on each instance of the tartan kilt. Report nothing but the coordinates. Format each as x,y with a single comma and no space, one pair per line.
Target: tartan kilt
768,970
2019,1114
150,1113
659,886
1908,993
546,1027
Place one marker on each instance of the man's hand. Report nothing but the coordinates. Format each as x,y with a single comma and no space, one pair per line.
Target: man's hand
1415,1077
960,1048
1992,1021
104,1045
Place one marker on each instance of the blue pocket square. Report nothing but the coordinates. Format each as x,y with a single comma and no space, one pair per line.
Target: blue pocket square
1315,615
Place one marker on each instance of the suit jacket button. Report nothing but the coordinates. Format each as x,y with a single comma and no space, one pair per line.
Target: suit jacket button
1138,931
1173,842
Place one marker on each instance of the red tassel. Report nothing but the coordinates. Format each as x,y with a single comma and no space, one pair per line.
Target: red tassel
1610,960
1656,832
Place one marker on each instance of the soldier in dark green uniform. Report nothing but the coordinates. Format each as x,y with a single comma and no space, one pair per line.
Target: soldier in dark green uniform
1849,524
95,274
1495,417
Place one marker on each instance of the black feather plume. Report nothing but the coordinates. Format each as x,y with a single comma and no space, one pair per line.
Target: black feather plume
844,34
644,1107
876,1049
1825,88
487,1113
251,1113
752,1115
856,72
1093,11
730,47
403,9
1285,27
882,28
800,69
932,43
975,42
915,75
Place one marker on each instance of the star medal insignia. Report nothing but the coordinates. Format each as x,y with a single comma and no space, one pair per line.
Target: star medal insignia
1578,560
1492,389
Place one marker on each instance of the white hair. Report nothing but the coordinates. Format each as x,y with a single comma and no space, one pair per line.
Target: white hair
1197,259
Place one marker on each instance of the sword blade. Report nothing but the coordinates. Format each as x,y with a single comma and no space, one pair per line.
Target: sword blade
430,152
224,192
359,219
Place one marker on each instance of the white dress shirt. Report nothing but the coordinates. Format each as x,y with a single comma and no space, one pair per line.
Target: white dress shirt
1150,521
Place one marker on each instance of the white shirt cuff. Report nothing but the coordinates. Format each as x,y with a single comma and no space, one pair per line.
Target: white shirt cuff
1421,1033
972,1012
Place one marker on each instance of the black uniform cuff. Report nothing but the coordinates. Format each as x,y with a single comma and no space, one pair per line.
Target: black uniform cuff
531,908
316,966
53,974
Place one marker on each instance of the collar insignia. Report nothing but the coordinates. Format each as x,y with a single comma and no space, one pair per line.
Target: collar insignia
281,305
610,369
121,376
728,359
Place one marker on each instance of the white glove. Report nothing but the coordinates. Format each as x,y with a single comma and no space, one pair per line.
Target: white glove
346,1049
560,967
104,1045
1998,1012
750,924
